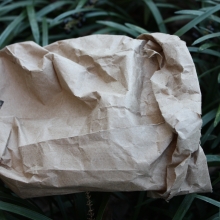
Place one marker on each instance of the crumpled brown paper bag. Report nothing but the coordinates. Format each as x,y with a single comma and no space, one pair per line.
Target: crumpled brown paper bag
101,113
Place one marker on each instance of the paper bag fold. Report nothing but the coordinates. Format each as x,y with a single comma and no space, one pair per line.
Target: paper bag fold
101,113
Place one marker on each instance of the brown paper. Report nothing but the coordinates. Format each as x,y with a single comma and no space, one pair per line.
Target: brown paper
101,113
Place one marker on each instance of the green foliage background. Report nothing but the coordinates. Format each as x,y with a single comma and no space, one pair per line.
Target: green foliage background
196,22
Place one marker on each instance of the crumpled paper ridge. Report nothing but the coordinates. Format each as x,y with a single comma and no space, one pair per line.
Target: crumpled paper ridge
178,62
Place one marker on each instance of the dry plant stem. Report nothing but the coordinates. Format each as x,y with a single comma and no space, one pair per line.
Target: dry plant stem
89,204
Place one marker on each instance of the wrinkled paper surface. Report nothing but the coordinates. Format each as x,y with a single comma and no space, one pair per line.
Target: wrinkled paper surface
101,113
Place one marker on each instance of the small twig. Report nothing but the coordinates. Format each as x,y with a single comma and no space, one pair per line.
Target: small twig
89,204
